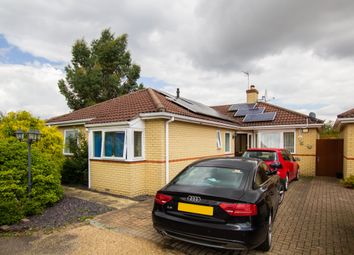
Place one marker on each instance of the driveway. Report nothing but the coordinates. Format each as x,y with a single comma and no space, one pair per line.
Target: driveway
317,217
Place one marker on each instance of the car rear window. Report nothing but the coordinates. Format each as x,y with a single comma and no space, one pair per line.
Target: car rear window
263,155
218,177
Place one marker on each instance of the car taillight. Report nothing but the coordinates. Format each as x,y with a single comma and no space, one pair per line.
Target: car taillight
162,199
239,209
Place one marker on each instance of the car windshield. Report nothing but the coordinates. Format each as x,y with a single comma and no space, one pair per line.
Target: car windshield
218,177
263,155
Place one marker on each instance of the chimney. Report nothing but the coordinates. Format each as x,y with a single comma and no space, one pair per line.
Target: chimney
252,95
177,92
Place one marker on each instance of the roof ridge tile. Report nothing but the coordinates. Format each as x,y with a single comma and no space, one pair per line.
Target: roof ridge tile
160,107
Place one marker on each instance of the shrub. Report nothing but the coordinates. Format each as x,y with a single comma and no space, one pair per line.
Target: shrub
349,182
47,160
75,168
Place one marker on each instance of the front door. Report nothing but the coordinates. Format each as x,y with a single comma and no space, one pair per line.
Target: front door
240,144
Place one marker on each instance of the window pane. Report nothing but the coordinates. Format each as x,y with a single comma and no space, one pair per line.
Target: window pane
218,139
289,143
263,155
97,143
212,177
227,142
114,144
138,144
70,138
270,140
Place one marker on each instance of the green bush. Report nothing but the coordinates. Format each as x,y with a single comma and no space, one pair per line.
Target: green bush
349,182
75,168
47,161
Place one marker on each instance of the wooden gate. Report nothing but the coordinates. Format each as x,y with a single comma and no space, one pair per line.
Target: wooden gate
329,157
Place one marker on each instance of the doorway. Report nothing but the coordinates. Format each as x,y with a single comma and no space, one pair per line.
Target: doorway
241,142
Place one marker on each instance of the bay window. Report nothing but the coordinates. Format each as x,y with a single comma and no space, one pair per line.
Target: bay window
120,144
277,139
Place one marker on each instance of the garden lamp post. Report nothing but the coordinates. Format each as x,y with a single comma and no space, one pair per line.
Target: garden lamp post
32,136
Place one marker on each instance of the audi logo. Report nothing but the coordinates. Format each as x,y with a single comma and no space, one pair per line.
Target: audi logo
194,199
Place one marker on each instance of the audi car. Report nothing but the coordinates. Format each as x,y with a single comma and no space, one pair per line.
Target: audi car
277,159
228,203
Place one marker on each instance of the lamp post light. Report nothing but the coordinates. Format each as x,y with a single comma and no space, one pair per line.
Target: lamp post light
32,136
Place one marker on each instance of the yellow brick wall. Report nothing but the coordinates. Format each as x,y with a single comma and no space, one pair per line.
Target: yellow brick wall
186,141
191,141
306,151
348,162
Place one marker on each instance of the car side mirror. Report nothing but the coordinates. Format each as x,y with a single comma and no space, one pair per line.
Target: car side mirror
297,159
276,165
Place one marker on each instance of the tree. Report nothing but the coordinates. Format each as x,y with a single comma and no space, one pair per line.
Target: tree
328,131
99,72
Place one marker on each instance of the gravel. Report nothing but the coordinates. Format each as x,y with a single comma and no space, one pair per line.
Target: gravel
68,210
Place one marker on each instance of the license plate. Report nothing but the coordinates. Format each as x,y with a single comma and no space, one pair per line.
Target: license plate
198,209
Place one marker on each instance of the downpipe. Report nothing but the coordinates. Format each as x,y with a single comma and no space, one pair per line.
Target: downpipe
167,146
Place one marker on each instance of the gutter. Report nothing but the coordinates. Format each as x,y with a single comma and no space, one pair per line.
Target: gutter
167,159
249,128
340,121
69,122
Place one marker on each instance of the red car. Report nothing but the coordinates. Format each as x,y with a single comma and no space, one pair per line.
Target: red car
277,159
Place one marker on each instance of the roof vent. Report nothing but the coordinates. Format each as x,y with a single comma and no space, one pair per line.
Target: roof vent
177,92
312,115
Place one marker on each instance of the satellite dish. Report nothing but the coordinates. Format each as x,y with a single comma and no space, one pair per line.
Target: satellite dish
312,115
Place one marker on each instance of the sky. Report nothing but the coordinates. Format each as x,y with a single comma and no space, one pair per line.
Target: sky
300,52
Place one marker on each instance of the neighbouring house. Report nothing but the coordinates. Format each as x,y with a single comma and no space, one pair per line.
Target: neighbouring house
345,124
139,141
263,124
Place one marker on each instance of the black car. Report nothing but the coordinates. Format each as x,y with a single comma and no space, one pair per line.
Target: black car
227,203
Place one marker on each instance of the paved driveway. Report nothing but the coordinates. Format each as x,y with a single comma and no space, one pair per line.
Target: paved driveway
317,217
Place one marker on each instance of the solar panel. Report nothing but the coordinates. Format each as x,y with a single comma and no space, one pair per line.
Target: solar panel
236,107
244,112
194,106
267,116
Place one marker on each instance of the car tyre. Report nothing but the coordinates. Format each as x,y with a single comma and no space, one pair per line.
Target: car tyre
265,246
297,175
286,182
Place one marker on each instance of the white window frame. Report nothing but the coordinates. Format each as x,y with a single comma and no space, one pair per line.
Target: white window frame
229,149
142,157
281,132
65,131
218,140
124,147
128,153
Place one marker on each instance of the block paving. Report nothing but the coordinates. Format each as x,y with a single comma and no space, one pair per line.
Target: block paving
316,217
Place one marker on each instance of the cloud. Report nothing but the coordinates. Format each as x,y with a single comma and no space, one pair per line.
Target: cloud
234,34
32,88
300,51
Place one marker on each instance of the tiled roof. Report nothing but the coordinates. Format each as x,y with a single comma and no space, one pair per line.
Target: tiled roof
283,116
128,107
347,114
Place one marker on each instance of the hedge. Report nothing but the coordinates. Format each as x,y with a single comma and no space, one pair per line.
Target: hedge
47,161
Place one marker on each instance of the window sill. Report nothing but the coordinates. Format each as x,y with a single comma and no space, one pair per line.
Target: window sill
117,160
68,154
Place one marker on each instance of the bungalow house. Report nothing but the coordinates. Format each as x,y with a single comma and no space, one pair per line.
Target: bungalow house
139,141
345,124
